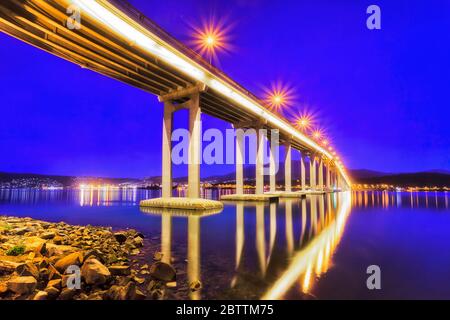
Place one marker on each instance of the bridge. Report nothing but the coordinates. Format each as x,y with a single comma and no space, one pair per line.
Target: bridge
118,41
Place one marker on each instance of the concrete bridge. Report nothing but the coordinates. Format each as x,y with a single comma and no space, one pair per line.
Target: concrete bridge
118,41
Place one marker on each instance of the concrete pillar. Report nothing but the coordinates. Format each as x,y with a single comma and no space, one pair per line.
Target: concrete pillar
320,173
312,172
195,132
239,162
287,167
327,170
167,151
302,171
166,237
272,176
260,141
193,254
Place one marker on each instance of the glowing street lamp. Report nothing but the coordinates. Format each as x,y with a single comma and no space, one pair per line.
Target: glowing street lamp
211,38
279,96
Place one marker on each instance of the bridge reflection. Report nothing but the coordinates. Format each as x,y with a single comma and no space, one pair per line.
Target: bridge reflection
293,243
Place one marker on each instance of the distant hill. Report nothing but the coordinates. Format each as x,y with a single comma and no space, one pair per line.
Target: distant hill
419,179
364,173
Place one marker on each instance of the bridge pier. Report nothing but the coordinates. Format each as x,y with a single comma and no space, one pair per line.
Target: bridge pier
320,186
259,177
312,172
239,162
272,173
302,171
287,167
187,98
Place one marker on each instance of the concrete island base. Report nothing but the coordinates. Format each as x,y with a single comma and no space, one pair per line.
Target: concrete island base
248,197
181,203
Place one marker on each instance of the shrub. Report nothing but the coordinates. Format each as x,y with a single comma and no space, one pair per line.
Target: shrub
16,251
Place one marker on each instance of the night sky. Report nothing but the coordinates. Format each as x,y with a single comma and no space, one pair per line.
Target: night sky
381,95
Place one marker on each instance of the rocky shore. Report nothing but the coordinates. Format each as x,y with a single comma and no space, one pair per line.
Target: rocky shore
57,261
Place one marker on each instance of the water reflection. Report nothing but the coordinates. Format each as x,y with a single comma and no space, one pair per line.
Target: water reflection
281,262
274,250
388,199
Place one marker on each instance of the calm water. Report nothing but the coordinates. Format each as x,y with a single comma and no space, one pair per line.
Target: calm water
317,247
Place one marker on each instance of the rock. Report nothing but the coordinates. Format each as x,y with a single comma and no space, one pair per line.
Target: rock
119,270
94,272
42,249
7,266
58,240
41,295
20,231
195,285
163,271
22,285
75,258
56,283
157,294
157,256
47,235
128,292
67,294
172,284
52,293
121,237
53,273
27,269
138,280
96,254
138,242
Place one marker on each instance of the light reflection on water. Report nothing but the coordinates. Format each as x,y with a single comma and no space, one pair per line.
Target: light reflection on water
293,248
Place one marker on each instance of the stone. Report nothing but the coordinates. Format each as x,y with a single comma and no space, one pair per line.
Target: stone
138,242
195,285
53,273
47,235
163,271
58,240
22,285
94,272
157,256
52,293
67,294
121,237
75,258
172,284
27,269
56,283
127,292
42,249
41,295
119,270
7,266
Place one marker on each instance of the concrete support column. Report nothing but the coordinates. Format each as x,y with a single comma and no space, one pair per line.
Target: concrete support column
312,172
239,162
302,171
167,150
320,173
260,141
272,176
195,132
327,170
287,167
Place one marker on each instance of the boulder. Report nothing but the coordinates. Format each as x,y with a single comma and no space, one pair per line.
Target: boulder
163,271
48,235
138,242
94,272
75,258
56,283
41,249
22,285
119,270
41,295
67,294
121,237
27,269
52,293
7,266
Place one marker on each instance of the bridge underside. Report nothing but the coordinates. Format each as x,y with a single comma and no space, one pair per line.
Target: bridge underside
43,25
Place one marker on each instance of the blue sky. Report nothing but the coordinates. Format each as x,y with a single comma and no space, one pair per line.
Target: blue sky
381,95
